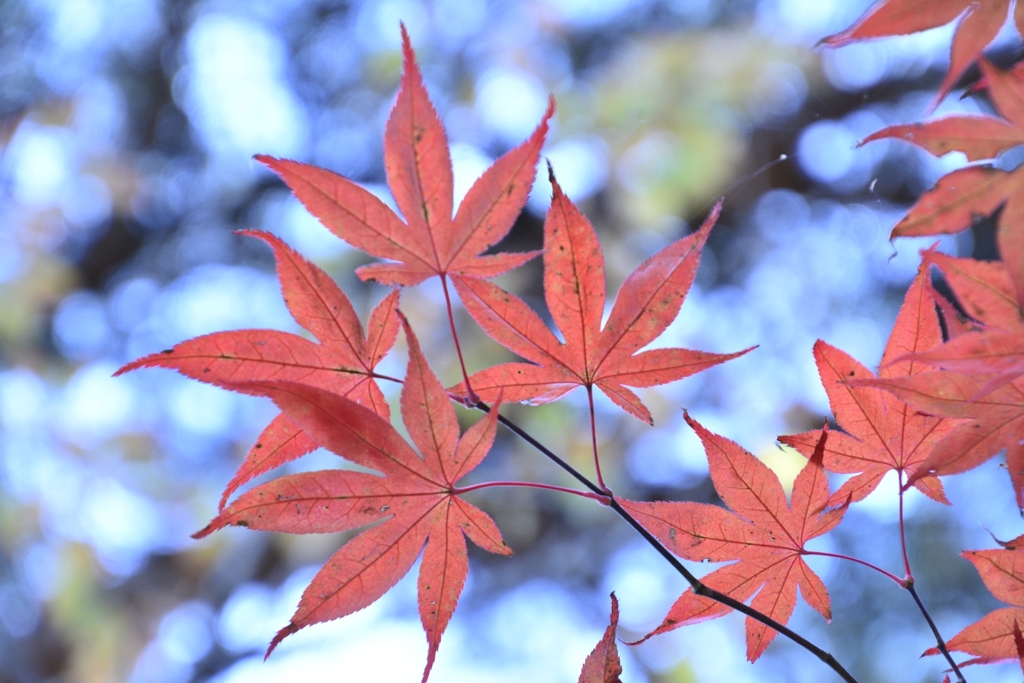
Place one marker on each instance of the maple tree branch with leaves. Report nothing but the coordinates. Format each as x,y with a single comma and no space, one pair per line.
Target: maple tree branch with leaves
948,395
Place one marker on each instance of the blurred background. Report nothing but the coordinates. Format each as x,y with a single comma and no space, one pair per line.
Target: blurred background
127,129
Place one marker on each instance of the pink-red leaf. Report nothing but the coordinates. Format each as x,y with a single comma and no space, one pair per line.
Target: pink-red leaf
957,200
996,421
979,25
415,503
989,352
602,664
899,17
760,530
982,384
1010,237
997,635
342,362
418,165
574,287
279,443
963,195
979,137
882,433
983,288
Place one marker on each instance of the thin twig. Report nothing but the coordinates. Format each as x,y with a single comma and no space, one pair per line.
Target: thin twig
470,396
938,636
601,498
702,590
909,585
593,438
903,534
889,575
525,436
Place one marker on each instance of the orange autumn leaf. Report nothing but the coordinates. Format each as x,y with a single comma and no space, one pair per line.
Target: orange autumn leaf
959,197
882,434
342,362
979,23
996,636
415,501
574,288
419,170
602,664
760,529
982,383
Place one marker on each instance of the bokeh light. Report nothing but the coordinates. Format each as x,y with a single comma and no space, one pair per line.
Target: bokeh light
127,130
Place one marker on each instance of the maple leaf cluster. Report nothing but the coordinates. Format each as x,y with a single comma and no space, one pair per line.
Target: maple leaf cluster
328,390
949,393
960,400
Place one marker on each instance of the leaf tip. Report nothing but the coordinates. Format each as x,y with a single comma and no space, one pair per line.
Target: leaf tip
408,54
279,636
152,360
1012,544
431,655
694,425
555,189
273,163
410,336
712,218
834,40
127,367
877,135
743,352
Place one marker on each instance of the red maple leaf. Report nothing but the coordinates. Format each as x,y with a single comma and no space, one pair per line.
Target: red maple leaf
984,289
574,288
761,530
978,26
982,380
987,291
419,170
959,197
416,500
343,362
882,433
994,421
996,636
602,664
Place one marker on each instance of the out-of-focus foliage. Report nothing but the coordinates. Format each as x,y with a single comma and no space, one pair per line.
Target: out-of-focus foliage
126,131
677,112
